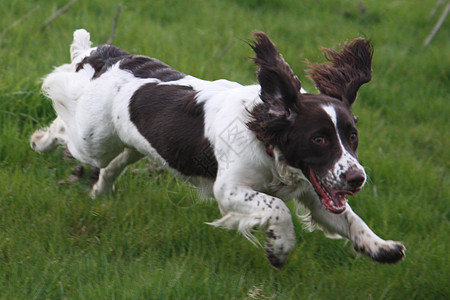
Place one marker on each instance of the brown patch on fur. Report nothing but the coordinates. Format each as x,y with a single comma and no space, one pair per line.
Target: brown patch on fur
106,56
173,123
269,129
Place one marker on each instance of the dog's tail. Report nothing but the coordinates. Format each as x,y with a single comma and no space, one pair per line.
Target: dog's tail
64,88
81,43
65,85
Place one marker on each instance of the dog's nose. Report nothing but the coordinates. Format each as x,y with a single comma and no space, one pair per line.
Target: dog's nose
355,178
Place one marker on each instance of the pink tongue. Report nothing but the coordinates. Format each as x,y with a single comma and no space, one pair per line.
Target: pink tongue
335,202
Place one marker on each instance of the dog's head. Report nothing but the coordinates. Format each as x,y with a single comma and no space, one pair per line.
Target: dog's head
315,133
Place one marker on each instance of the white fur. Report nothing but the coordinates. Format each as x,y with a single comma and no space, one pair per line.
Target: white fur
346,161
93,121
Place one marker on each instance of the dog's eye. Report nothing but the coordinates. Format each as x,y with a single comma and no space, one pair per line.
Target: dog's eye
320,140
354,136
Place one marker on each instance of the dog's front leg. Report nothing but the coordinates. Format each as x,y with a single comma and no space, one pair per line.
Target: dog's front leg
244,209
350,225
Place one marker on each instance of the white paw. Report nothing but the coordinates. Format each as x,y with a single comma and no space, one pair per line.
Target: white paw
279,244
101,189
42,142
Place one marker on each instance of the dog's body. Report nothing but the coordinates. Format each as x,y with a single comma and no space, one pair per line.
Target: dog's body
248,146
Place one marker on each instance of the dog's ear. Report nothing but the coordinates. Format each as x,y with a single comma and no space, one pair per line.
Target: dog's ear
280,88
350,68
280,93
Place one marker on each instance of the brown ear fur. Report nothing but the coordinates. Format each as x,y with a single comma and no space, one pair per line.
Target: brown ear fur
280,93
280,88
350,68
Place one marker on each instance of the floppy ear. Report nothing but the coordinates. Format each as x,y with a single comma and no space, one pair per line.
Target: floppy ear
280,93
280,88
350,68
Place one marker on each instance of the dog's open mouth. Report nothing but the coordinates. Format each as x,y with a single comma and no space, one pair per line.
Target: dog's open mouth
333,200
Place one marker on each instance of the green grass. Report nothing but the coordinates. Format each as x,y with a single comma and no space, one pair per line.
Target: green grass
149,240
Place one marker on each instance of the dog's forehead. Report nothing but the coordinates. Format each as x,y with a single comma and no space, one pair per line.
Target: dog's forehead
330,108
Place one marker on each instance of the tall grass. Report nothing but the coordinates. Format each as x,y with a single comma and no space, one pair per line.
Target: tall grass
149,240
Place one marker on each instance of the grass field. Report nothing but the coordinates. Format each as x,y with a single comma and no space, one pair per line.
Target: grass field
149,240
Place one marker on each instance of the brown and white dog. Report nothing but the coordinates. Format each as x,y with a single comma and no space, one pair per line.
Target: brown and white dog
248,146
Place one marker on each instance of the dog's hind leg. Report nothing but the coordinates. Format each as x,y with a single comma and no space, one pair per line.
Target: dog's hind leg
47,139
109,174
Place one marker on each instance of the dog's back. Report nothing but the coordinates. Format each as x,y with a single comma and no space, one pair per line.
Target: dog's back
107,99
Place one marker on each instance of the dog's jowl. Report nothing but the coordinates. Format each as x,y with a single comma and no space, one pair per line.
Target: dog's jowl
251,147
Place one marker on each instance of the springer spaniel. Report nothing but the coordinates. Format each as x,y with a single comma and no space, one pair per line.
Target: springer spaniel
248,146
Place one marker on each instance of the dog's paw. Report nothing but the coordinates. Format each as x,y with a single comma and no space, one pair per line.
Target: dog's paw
390,252
276,257
41,141
278,246
100,189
